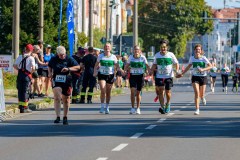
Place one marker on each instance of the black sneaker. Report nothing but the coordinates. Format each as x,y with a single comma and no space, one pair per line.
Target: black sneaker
81,101
161,110
41,95
89,102
57,120
65,121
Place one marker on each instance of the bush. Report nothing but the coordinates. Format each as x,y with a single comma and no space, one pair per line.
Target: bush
9,80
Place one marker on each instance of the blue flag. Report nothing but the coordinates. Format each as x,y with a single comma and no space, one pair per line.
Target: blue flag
70,25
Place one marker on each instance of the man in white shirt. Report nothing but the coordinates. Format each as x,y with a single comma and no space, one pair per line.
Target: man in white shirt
25,65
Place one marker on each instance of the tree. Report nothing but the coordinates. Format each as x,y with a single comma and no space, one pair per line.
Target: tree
177,21
29,11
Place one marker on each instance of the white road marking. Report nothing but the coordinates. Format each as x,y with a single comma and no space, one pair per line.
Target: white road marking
161,120
177,110
120,147
170,114
184,107
208,121
137,135
151,127
102,158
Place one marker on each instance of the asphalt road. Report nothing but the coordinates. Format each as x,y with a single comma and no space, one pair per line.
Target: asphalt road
180,135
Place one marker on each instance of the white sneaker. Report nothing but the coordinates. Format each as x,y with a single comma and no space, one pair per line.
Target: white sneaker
102,110
197,112
138,111
132,111
213,90
204,102
107,110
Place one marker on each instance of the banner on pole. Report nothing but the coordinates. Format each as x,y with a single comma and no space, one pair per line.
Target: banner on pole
2,98
70,25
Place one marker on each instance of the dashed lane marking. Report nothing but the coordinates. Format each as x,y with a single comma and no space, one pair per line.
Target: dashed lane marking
120,147
151,127
170,114
161,120
137,135
102,158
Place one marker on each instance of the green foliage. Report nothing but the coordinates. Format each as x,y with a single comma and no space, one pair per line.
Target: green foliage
177,21
9,80
29,23
82,39
97,35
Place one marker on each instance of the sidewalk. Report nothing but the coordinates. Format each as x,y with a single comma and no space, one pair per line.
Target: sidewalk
39,103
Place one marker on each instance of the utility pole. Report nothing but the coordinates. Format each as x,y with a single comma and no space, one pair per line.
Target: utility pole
107,20
90,23
135,23
41,19
16,25
238,21
84,17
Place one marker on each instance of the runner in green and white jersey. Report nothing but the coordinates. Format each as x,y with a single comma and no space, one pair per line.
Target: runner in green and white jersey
199,76
213,75
163,65
104,69
136,63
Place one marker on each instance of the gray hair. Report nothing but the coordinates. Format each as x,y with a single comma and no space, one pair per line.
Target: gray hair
61,50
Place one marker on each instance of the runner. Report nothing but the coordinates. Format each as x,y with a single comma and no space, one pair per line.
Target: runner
213,75
59,67
163,63
199,76
136,62
224,75
106,63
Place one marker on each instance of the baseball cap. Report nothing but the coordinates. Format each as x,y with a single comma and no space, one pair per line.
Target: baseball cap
35,48
49,46
29,47
40,42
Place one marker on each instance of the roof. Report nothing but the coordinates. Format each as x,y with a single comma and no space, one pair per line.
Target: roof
225,13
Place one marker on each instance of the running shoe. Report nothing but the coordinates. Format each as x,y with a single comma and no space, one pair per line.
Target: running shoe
102,110
57,120
161,110
204,102
213,90
167,108
155,99
138,111
197,112
65,121
107,110
132,111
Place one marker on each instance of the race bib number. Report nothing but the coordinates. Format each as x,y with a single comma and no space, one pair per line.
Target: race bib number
60,78
197,72
163,71
136,71
105,70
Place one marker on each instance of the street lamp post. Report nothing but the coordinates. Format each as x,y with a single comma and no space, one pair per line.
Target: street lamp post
135,23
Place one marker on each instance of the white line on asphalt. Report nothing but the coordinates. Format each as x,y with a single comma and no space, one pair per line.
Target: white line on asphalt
161,120
177,110
170,114
184,107
102,158
137,135
208,121
120,147
151,127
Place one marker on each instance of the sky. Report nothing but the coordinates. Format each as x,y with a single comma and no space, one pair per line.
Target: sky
218,4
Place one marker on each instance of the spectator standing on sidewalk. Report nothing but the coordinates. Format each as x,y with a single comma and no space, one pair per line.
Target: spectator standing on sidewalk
89,80
77,76
25,65
59,68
